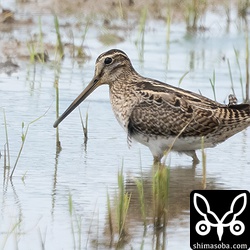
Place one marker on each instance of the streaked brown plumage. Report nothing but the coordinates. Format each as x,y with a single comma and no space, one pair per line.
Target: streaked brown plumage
159,115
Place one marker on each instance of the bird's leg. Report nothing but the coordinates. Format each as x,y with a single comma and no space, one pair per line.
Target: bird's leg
157,160
192,153
157,163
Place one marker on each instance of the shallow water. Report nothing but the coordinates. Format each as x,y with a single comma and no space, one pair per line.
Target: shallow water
35,207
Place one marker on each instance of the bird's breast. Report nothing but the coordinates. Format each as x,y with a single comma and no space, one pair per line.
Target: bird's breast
122,101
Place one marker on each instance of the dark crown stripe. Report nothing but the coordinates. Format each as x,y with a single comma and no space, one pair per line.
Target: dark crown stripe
111,53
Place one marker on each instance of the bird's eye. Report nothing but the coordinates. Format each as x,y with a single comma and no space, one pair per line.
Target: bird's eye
108,60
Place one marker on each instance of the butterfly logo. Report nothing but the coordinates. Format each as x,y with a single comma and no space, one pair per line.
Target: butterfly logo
203,227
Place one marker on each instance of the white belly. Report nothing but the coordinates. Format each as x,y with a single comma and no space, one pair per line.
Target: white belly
161,144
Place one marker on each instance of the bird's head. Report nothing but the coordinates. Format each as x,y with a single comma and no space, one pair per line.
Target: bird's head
109,67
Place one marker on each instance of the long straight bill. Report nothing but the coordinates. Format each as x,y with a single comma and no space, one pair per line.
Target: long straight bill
86,92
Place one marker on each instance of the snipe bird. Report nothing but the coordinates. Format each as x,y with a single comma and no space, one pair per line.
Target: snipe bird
158,115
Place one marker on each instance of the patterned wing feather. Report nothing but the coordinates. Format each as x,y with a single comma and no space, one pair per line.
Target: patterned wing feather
168,118
164,110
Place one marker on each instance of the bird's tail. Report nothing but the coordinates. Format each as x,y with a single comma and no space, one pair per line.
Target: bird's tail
240,112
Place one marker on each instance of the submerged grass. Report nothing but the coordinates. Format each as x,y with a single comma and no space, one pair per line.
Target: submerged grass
78,52
193,13
6,171
140,188
32,51
117,225
212,82
204,164
181,79
231,76
36,48
7,162
24,137
84,127
160,196
239,67
56,86
110,220
9,233
140,41
80,49
168,20
60,48
58,143
245,96
76,224
122,205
